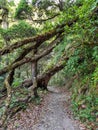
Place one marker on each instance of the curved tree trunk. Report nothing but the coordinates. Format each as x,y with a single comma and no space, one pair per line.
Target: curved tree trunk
43,80
7,83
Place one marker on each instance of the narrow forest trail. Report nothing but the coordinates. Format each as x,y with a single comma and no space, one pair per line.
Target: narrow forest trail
52,114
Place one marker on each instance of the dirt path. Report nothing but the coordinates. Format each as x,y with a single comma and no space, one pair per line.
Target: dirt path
53,115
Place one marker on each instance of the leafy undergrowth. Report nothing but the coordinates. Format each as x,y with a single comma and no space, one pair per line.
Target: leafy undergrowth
26,117
85,103
21,100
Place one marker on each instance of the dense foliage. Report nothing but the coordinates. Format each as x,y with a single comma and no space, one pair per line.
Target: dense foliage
14,32
71,29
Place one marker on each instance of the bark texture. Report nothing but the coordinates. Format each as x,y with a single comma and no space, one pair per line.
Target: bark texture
7,83
34,75
42,80
18,62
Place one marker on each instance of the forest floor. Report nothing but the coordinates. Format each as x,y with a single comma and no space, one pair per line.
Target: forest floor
52,114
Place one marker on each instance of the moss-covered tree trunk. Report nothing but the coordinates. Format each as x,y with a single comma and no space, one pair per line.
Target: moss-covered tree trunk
34,75
7,83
